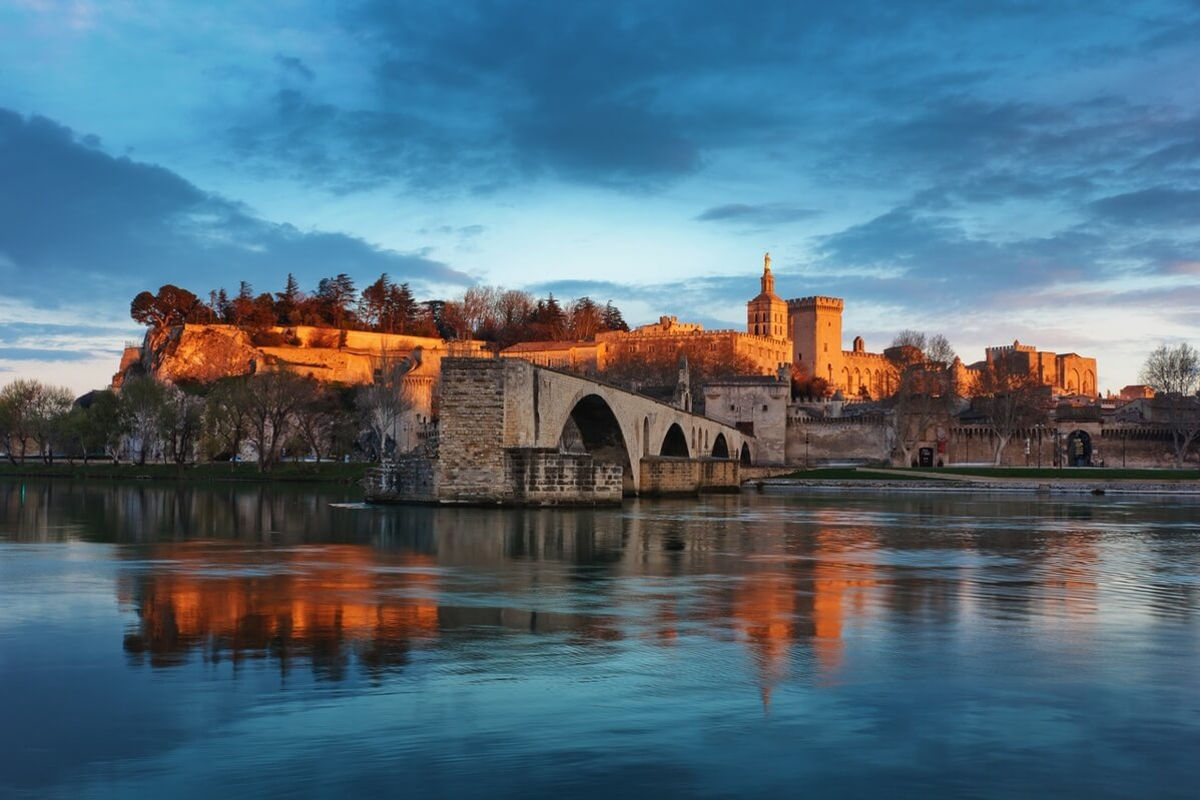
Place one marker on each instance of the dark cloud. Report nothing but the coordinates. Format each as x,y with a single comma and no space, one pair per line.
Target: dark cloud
294,67
472,97
1159,205
762,214
101,226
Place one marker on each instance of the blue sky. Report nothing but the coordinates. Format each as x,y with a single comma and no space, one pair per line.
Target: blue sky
992,171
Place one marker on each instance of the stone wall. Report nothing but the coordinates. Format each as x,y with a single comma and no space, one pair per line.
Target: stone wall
661,475
852,440
547,477
411,478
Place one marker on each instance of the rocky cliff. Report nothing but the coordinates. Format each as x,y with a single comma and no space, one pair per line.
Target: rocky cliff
207,353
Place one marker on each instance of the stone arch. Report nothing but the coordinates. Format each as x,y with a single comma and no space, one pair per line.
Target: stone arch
674,443
846,380
1089,383
592,427
867,384
745,454
720,448
1073,381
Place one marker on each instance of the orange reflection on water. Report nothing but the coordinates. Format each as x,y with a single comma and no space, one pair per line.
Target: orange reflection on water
306,600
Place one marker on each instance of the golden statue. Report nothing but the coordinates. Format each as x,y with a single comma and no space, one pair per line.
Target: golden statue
766,262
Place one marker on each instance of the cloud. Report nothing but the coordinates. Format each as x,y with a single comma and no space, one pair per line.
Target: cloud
1159,205
294,67
77,223
40,354
762,214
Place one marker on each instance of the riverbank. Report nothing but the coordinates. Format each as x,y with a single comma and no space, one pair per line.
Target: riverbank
1044,481
288,472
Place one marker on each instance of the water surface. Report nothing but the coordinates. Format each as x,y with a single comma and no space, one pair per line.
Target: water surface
193,642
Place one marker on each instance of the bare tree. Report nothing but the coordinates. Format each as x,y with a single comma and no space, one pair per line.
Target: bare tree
180,423
141,409
316,417
271,399
384,403
1174,372
924,396
226,418
1012,400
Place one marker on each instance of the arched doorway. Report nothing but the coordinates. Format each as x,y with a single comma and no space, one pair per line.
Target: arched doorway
674,443
592,428
1079,449
745,459
720,447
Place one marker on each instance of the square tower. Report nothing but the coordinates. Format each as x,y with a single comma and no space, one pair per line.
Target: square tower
816,328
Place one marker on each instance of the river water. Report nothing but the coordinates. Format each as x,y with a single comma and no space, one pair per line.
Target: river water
163,641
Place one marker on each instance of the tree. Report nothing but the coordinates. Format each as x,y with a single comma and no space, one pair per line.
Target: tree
383,403
49,410
271,399
226,418
923,396
96,424
171,306
1012,401
613,321
1174,372
17,420
287,302
142,400
335,296
316,417
585,319
180,423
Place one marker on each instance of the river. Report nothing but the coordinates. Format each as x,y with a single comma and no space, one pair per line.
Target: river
194,641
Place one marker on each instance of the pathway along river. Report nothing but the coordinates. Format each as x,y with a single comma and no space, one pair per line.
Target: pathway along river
163,641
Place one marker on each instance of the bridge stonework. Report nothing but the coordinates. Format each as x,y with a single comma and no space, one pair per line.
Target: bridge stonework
513,433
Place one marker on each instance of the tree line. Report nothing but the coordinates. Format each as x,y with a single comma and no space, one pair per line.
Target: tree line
488,313
275,415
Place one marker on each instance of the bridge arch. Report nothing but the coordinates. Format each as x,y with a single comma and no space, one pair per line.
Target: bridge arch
674,443
591,426
745,455
720,448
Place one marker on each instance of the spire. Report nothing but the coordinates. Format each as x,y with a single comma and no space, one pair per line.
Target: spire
768,280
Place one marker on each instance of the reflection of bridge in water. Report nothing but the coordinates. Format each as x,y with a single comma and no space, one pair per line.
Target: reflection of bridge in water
511,432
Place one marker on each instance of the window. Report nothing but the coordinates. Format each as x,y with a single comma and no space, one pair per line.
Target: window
764,406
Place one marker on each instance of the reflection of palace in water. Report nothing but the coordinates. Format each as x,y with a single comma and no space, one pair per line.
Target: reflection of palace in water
237,574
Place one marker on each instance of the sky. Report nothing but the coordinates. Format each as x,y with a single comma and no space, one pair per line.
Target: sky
993,171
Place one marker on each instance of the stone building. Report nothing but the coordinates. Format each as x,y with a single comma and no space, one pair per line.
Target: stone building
754,404
1067,373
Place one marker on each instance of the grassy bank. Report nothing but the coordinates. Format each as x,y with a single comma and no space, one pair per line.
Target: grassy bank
852,474
327,472
1066,473
1047,474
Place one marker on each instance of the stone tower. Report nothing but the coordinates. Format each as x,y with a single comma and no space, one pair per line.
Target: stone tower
816,328
767,314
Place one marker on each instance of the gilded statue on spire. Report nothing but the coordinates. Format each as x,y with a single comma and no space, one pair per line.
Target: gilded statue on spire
766,262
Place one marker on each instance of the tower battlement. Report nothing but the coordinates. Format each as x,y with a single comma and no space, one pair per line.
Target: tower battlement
816,301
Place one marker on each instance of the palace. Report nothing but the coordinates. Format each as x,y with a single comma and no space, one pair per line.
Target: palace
806,333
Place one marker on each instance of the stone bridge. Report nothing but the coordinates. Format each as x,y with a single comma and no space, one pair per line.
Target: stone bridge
512,432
